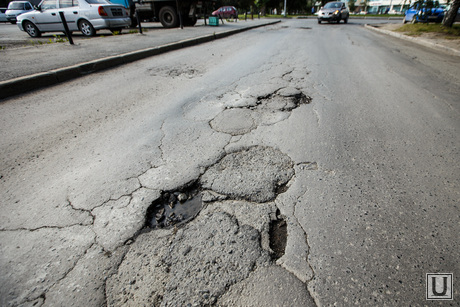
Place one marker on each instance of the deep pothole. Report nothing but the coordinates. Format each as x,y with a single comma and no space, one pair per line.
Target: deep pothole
278,236
256,174
174,207
284,100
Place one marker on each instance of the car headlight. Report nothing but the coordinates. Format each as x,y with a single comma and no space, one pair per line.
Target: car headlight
336,12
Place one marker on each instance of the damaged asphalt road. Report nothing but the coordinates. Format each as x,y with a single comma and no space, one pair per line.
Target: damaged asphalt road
203,201
234,174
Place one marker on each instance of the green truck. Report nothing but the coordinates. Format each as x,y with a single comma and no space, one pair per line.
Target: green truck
170,13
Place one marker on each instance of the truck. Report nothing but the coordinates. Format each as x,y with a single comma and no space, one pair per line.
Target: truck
168,12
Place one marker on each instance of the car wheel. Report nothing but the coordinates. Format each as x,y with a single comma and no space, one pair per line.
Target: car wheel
31,29
168,17
345,20
86,28
319,21
13,22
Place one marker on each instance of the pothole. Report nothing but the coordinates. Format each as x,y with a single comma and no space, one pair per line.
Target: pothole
174,208
278,236
285,100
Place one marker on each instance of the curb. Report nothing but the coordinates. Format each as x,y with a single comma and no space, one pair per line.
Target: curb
416,40
25,84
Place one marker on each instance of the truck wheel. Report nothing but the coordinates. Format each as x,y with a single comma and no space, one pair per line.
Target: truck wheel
133,22
189,21
168,17
31,29
86,28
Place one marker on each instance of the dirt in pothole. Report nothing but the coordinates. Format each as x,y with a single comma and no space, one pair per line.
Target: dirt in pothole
278,237
174,208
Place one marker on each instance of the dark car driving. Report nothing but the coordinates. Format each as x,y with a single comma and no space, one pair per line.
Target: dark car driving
334,11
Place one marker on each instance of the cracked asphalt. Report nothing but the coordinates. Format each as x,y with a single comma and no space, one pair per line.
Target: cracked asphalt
359,164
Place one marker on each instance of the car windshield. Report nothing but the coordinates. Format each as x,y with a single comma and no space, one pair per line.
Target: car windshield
98,2
16,6
333,5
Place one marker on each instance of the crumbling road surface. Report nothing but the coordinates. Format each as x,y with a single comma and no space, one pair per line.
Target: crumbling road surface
285,166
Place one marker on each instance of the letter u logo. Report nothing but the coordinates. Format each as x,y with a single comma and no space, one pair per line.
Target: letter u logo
439,286
435,289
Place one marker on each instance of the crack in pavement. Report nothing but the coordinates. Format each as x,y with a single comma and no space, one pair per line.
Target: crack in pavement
278,100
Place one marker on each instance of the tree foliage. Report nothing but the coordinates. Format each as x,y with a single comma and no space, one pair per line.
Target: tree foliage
351,5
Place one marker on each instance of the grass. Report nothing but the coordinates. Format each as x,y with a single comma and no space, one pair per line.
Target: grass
420,28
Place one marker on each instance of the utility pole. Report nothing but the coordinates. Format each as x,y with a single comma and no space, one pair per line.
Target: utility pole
285,8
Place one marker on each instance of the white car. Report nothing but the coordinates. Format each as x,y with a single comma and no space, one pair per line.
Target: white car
86,16
16,8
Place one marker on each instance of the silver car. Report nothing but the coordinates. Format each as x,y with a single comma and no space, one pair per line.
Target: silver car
86,16
334,11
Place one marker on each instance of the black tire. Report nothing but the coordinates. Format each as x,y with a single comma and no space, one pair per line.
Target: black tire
133,22
86,28
13,22
319,21
189,21
346,19
168,17
31,29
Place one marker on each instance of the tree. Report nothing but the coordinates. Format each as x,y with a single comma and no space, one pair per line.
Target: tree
366,4
351,5
451,14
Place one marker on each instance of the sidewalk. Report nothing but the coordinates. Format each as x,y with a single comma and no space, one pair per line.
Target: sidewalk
29,68
430,40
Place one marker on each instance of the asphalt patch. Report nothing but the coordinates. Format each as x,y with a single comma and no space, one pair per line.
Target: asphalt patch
257,174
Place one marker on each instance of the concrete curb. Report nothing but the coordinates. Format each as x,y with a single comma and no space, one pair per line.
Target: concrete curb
416,40
25,84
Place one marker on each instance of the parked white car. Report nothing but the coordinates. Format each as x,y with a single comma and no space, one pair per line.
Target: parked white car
86,16
16,8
